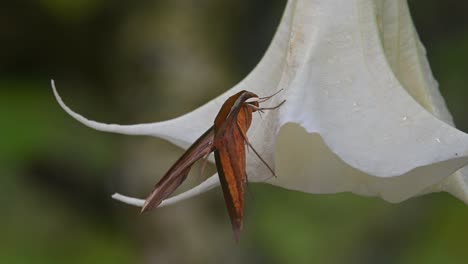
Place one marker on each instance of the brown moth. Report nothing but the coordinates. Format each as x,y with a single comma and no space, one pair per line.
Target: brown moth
227,138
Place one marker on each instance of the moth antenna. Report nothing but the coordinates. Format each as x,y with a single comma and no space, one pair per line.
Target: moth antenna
266,98
253,149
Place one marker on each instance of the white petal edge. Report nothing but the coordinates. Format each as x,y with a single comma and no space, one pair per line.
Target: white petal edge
206,185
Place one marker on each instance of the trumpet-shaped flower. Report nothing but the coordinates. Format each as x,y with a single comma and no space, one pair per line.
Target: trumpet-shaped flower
363,112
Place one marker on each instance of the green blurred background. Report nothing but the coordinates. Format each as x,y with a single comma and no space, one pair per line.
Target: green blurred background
142,61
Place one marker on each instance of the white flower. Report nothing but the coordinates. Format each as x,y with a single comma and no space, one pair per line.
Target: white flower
365,112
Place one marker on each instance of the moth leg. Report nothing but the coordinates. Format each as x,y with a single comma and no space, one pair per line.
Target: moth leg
248,186
260,114
247,117
255,151
266,108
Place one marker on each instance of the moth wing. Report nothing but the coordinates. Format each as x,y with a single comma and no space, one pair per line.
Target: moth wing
230,162
178,172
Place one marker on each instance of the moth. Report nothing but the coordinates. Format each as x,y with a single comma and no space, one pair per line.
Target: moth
227,138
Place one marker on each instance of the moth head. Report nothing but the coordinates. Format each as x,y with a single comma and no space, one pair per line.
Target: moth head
253,103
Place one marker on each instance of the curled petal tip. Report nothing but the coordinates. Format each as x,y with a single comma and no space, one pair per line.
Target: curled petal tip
128,200
150,129
208,184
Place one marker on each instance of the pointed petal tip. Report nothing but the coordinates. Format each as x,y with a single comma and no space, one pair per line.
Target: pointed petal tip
128,200
208,184
148,129
78,117
56,94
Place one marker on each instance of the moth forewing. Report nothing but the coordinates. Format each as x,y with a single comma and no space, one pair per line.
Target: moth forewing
179,170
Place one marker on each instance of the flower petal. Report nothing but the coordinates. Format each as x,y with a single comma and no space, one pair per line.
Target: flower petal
305,163
350,94
207,185
356,78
